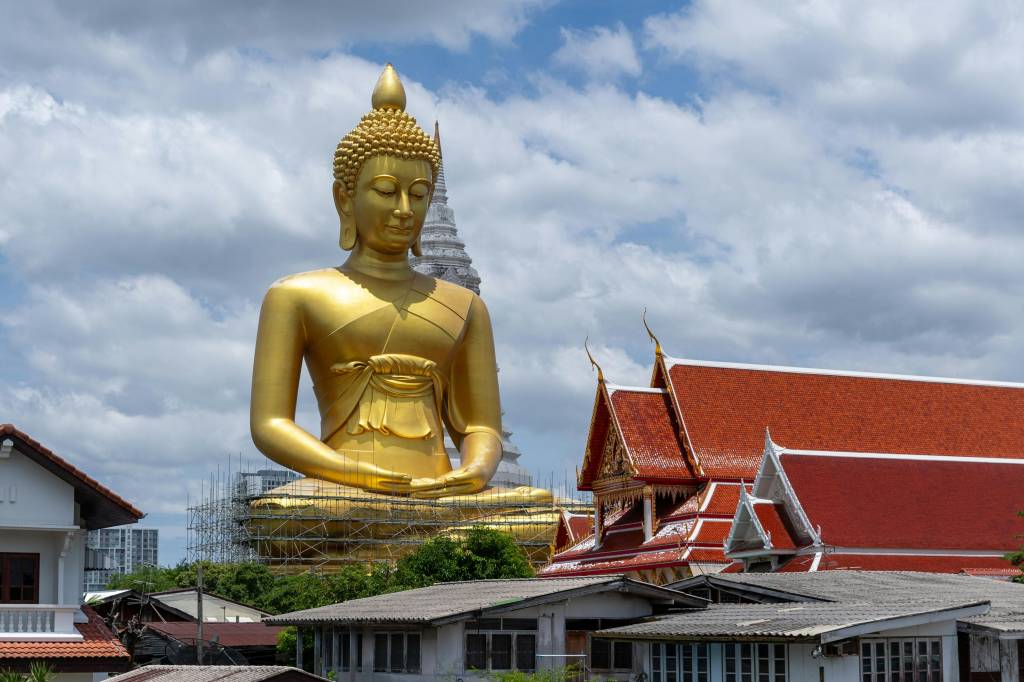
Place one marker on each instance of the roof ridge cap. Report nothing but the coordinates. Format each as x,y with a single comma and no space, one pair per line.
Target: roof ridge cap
923,378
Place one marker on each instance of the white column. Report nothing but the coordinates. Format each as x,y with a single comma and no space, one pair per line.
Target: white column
1009,666
648,514
950,658
598,521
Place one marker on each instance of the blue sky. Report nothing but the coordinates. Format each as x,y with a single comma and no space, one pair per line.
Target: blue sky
830,183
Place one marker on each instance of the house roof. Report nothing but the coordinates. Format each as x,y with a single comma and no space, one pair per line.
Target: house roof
725,408
100,506
885,587
226,634
450,602
824,622
211,673
832,489
97,642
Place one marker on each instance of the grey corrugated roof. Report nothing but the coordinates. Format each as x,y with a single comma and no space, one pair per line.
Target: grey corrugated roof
888,587
208,673
449,601
802,620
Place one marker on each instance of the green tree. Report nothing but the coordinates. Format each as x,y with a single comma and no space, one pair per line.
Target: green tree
480,554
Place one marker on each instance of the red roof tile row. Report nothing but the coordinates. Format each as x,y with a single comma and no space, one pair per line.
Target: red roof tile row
98,642
910,503
895,562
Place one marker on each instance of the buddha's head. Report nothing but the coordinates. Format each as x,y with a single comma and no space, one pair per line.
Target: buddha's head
384,172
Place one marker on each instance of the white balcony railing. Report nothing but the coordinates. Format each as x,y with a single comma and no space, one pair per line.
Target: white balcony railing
38,623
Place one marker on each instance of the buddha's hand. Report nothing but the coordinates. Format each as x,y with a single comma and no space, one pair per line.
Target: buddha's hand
377,479
462,481
481,453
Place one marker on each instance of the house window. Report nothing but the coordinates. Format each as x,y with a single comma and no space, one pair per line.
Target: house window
679,662
345,651
605,655
917,659
396,652
501,644
19,578
754,662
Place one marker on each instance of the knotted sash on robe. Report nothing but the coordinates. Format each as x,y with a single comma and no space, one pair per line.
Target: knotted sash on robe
402,394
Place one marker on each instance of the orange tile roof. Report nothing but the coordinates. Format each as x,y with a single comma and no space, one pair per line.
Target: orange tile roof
770,519
98,642
646,422
904,512
120,511
726,408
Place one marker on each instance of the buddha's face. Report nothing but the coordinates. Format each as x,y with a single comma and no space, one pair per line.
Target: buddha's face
389,204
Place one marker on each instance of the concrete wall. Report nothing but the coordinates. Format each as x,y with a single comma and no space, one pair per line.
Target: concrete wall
32,496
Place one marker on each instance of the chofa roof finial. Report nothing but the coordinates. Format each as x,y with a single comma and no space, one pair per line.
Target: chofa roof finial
593,362
389,93
657,344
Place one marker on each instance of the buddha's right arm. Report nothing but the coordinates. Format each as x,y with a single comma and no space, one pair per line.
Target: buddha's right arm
275,383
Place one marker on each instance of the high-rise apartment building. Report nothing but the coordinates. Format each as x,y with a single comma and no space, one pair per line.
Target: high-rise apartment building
118,551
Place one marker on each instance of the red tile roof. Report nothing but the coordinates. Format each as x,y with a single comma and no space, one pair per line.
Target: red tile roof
227,634
894,562
101,506
646,422
726,408
910,502
98,642
770,518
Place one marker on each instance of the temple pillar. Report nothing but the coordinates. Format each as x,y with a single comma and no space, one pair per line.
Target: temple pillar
598,521
648,513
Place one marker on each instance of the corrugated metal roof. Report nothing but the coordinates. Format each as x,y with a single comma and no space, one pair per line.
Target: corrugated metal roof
452,600
888,587
209,673
806,620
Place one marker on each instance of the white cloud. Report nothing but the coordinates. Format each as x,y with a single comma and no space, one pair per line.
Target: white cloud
600,52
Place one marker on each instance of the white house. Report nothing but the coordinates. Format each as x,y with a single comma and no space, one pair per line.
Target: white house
470,630
46,508
872,626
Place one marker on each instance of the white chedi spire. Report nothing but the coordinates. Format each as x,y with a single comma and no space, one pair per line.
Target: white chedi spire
444,254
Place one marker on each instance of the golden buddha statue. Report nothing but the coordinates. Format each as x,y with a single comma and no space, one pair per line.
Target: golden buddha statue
394,356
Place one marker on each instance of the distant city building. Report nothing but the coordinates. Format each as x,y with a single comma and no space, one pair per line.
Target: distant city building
118,551
255,483
444,254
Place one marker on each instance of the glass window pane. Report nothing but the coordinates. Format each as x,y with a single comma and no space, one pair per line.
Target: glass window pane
623,656
702,662
763,663
526,652
501,651
671,665
476,651
397,657
345,650
686,662
600,654
780,663
746,662
730,663
380,652
412,652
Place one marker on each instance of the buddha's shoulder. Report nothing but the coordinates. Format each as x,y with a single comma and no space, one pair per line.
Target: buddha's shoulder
458,298
301,283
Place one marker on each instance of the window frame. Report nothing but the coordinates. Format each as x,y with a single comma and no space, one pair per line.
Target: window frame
680,661
384,666
511,627
5,577
907,652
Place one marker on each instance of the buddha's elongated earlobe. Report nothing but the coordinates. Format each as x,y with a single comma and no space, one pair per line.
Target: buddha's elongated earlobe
348,235
417,250
343,203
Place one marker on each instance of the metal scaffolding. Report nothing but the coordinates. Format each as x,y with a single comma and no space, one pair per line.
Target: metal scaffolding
309,524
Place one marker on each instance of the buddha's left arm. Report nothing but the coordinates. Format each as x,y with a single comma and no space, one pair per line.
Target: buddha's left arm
473,408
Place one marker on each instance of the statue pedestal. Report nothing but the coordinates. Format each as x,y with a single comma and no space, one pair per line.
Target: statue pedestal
310,522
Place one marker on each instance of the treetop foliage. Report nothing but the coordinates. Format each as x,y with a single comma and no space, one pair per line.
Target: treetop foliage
478,554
